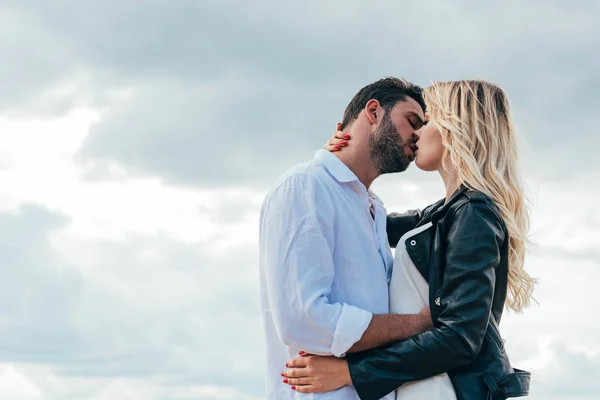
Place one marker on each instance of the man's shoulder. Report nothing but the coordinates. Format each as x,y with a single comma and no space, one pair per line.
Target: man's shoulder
303,185
309,174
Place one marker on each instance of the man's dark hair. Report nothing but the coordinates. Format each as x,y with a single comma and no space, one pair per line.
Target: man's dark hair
388,91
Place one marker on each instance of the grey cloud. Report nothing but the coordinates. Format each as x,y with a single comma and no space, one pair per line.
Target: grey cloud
38,291
569,375
583,254
201,138
572,375
224,97
183,316
34,60
261,129
233,208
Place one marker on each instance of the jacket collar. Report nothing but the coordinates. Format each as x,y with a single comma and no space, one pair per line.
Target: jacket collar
440,208
455,196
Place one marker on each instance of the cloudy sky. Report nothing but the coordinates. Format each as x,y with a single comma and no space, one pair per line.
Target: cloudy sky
138,138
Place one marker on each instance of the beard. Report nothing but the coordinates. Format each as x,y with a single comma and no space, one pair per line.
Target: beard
386,148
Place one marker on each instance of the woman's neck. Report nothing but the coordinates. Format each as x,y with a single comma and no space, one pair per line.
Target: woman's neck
451,183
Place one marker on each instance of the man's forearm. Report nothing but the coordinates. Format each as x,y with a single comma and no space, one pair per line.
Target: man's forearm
388,328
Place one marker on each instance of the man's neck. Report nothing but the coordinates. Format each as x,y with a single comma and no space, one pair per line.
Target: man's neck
360,164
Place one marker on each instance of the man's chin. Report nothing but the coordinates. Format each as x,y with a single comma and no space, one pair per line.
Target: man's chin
394,170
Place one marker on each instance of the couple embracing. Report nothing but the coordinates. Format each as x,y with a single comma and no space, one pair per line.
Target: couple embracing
346,319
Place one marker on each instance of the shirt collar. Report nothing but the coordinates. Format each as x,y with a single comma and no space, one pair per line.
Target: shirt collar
335,166
340,171
374,197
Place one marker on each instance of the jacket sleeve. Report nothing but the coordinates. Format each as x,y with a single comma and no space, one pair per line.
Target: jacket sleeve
475,237
400,223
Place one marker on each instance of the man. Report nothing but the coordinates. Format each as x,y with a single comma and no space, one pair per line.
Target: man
325,261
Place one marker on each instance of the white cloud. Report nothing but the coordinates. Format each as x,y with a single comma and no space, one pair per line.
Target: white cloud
16,386
38,157
152,262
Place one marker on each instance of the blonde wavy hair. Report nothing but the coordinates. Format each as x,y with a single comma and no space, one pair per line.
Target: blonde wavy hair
474,120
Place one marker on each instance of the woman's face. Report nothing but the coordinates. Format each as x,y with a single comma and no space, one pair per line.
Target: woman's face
429,147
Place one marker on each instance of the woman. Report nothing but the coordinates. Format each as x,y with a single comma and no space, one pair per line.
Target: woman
463,256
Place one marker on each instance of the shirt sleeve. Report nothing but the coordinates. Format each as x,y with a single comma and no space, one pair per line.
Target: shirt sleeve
296,250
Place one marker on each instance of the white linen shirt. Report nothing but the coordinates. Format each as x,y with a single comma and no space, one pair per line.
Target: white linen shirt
325,265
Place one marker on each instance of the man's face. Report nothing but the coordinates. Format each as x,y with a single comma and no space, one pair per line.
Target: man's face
391,145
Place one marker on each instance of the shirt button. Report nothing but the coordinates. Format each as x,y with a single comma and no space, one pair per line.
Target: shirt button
413,242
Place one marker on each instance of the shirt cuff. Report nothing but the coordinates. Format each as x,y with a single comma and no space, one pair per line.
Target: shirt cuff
351,325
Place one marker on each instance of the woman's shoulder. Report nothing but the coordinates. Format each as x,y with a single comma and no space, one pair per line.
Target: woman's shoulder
474,198
475,205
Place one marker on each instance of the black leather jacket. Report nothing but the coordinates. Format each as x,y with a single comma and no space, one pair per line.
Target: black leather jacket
464,257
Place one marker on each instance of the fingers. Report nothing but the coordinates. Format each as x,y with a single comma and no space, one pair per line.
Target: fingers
299,376
305,389
335,144
339,133
297,381
297,362
295,373
339,139
302,385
